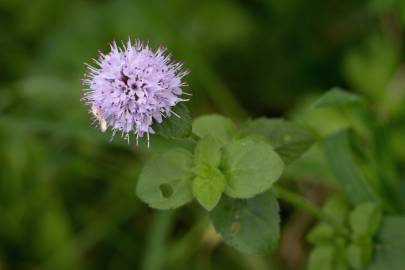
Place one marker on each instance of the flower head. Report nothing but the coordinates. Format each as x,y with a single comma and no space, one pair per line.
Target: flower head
132,87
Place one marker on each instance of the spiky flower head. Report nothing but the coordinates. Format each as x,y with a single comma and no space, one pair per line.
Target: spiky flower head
132,87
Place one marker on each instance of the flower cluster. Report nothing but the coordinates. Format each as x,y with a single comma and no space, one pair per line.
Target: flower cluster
131,87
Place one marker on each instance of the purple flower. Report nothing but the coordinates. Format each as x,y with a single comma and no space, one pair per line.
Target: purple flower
132,87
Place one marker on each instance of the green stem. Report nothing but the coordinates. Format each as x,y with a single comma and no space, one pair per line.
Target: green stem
301,202
156,245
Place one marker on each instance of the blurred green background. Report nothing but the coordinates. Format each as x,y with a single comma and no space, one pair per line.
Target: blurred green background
67,197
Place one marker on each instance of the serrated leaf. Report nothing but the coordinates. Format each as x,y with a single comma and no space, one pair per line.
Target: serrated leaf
390,245
165,180
208,151
365,219
219,127
347,174
288,139
250,225
250,167
336,97
178,125
208,186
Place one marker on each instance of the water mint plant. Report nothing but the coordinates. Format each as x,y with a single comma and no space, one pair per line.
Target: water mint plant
233,169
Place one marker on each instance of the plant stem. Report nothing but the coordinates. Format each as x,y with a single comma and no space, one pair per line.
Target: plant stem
301,202
156,245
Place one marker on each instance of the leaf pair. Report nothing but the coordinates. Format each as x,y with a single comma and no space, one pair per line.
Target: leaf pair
209,182
332,251
238,167
230,173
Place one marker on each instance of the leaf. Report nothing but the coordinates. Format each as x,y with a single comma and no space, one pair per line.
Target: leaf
289,140
178,125
321,257
220,128
165,180
365,219
250,225
360,254
208,186
250,167
336,207
321,233
336,97
370,67
208,151
340,158
390,245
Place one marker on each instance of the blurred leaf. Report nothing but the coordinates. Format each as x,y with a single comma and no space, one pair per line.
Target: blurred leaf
370,67
321,233
336,207
289,140
207,151
250,225
165,180
360,254
208,186
250,167
329,256
390,245
219,127
336,97
340,158
321,257
365,219
312,165
322,121
178,125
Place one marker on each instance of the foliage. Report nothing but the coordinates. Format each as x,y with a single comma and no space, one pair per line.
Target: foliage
67,197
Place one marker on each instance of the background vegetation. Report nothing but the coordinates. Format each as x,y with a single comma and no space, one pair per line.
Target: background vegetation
67,197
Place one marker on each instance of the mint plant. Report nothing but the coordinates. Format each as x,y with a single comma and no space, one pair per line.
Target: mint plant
233,169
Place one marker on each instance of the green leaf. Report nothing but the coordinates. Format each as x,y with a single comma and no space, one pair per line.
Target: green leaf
330,255
370,67
321,258
178,125
250,225
336,207
336,97
250,167
208,186
360,254
165,180
208,151
340,158
320,234
390,245
220,128
365,219
289,140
